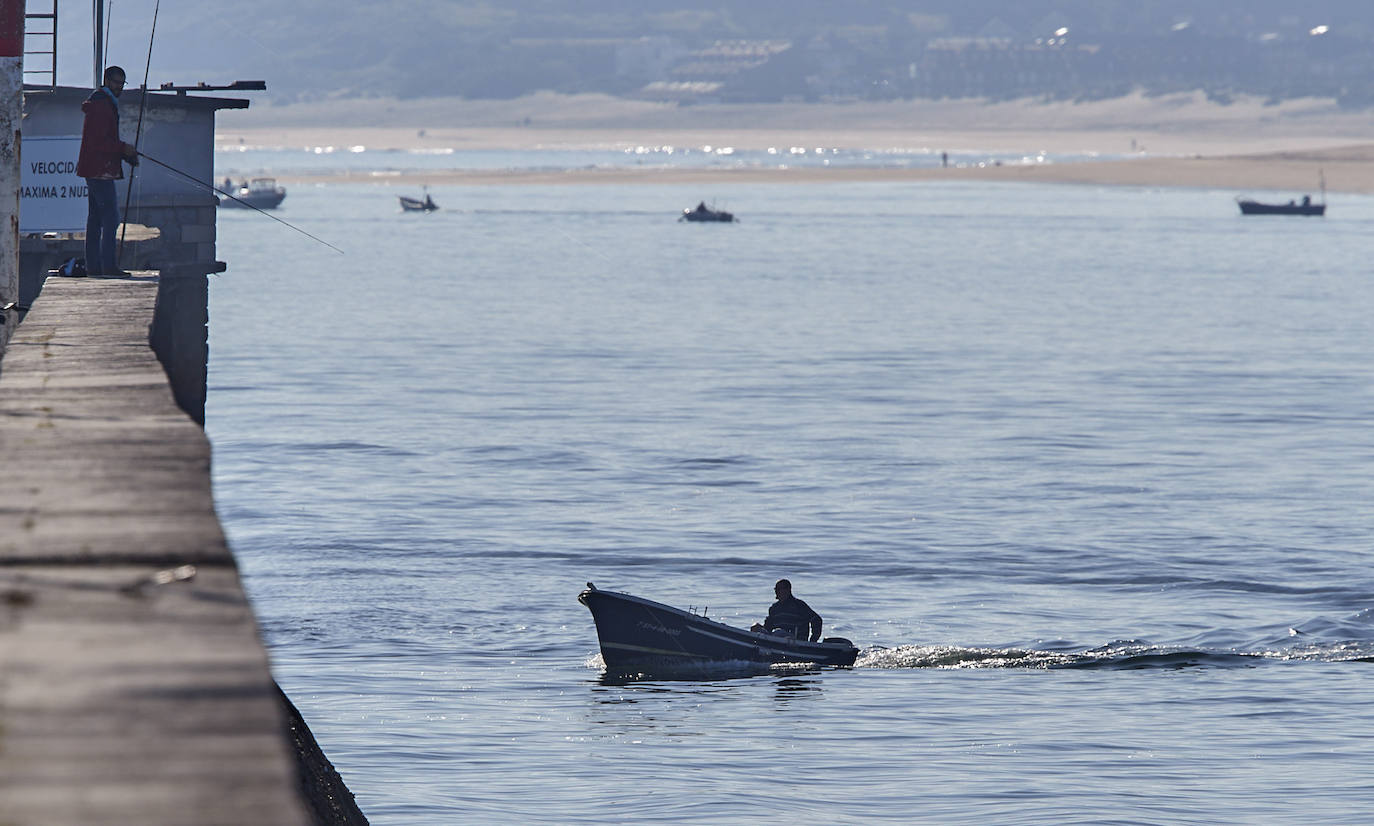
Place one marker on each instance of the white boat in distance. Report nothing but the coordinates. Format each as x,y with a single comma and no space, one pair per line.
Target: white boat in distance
259,193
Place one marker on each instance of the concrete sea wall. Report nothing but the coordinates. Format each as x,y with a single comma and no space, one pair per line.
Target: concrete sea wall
134,684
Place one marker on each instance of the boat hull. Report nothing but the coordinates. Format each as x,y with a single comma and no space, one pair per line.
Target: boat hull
709,216
254,200
416,205
1257,208
637,633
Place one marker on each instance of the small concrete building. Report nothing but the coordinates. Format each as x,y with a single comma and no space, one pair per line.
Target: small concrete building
171,215
177,130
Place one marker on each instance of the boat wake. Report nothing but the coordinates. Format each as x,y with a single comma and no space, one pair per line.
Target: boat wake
1125,654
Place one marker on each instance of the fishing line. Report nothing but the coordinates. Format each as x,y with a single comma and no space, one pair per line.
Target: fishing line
193,179
593,250
138,133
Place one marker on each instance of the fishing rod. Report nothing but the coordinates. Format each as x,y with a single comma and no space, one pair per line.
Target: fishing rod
138,133
193,179
105,56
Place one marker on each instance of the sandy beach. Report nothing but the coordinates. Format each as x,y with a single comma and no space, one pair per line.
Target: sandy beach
1176,141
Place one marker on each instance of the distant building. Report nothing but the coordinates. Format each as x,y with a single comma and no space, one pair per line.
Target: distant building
682,91
707,74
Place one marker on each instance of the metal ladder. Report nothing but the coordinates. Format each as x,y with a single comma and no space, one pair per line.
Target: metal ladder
40,30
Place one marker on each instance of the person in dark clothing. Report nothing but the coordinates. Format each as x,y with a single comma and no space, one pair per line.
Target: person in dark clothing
99,163
791,615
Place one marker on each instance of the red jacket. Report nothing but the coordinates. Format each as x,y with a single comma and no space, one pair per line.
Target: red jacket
101,148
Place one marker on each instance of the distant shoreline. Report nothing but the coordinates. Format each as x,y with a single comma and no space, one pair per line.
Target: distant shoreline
1346,169
1178,141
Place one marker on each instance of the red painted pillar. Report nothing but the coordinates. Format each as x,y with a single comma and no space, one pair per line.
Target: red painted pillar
11,28
11,115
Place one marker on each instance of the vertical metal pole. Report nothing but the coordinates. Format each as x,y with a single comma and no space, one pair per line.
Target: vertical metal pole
54,44
98,26
11,116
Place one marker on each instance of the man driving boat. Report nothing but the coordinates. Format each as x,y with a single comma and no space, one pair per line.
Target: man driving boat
791,615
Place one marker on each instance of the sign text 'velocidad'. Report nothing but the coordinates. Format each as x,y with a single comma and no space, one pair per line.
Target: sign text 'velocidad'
53,167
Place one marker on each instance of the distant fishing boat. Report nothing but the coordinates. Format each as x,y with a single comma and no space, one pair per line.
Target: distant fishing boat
703,213
259,193
417,204
1249,206
1304,207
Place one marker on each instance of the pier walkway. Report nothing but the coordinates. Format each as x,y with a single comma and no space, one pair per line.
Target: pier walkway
134,686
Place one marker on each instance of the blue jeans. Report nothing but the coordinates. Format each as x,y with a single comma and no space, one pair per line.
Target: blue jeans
102,220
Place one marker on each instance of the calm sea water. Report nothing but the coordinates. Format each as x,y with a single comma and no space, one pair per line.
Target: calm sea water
1085,472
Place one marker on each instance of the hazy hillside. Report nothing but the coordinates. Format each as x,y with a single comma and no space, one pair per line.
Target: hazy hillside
777,49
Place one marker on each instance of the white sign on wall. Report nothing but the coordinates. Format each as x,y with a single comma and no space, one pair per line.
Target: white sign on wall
51,196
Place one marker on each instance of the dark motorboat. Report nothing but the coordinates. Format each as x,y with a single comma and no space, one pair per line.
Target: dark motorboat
703,213
1249,206
637,633
259,193
1303,207
418,205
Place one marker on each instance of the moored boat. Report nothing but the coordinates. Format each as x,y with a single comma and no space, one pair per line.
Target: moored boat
637,633
703,213
259,193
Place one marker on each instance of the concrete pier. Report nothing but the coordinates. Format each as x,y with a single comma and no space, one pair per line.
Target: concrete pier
134,686
11,97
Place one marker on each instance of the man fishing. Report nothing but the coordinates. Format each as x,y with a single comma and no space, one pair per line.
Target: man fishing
99,163
791,615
